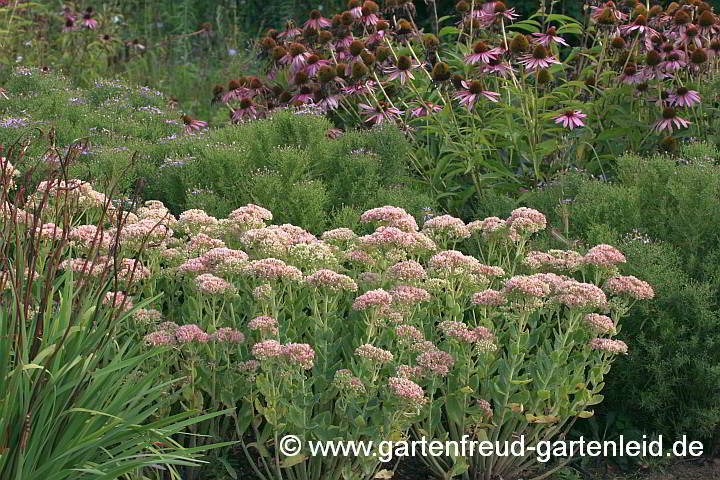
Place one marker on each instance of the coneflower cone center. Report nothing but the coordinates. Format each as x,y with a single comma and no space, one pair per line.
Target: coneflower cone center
404,63
540,52
480,47
475,87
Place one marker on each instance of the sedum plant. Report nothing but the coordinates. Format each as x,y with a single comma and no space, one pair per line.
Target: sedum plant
437,330
397,334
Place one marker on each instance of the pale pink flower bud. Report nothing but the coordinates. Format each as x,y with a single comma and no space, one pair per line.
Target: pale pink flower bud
484,405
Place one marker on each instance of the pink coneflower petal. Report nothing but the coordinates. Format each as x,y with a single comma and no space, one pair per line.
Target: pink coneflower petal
684,98
571,119
670,120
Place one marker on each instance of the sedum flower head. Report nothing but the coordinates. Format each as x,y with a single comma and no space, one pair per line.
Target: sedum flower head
118,300
264,324
527,285
191,333
629,285
599,324
227,335
446,227
604,256
489,297
300,354
609,345
212,285
273,269
331,281
406,295
407,390
374,354
574,294
392,217
407,334
373,298
147,316
267,349
559,260
436,362
339,235
407,271
525,220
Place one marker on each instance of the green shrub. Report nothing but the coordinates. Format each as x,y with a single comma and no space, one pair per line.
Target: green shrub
286,163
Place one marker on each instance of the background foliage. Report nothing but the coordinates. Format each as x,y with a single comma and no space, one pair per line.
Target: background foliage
662,212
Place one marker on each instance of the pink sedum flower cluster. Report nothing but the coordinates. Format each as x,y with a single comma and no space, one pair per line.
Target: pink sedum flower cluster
331,281
609,345
629,285
407,390
374,354
391,217
374,298
446,227
604,256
